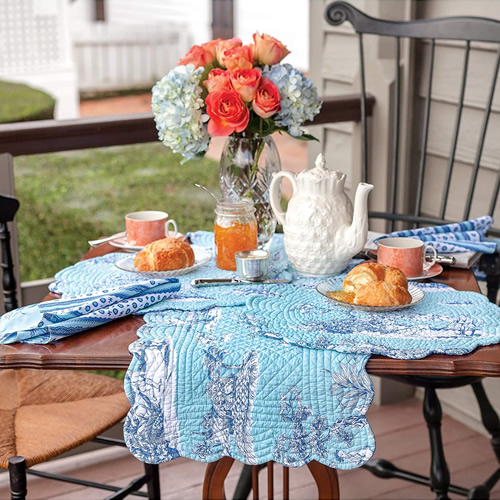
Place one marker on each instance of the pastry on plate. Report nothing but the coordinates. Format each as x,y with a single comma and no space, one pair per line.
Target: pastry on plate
372,284
167,254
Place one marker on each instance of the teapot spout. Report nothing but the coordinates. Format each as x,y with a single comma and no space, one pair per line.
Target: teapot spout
358,231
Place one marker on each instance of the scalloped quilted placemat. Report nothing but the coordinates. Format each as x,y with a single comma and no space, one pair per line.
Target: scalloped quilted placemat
90,276
445,321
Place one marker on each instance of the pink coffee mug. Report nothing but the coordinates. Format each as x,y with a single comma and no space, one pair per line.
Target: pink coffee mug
407,254
147,226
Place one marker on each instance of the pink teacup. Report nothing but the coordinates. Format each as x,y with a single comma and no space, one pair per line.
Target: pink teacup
407,254
147,226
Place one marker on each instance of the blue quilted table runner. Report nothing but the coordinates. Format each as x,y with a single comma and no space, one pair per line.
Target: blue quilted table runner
270,372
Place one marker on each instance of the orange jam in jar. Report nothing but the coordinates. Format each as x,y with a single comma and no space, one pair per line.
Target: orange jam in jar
235,230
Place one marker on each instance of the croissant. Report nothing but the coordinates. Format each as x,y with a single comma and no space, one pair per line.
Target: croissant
377,285
166,254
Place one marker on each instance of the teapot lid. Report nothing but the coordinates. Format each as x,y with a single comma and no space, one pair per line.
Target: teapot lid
320,171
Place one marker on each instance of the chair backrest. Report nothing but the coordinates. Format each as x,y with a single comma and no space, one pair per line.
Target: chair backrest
8,208
216,472
460,32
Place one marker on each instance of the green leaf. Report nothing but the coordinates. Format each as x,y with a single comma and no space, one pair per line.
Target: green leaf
260,126
303,137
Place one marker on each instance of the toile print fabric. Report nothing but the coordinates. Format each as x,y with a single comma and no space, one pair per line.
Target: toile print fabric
454,238
271,372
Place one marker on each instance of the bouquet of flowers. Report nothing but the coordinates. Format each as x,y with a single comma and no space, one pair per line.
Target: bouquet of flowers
223,88
243,92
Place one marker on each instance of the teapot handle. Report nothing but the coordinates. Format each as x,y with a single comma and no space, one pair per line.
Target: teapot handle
273,192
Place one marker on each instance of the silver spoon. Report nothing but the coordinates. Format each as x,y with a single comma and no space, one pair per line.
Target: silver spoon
208,191
95,243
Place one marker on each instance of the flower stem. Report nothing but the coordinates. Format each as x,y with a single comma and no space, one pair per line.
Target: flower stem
258,152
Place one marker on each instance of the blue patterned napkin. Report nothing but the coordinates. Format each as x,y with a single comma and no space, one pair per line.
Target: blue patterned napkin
55,319
454,238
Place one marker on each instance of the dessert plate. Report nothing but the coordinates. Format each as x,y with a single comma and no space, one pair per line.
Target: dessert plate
434,270
324,287
201,256
120,241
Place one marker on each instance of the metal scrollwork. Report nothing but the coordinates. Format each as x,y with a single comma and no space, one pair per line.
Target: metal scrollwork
338,12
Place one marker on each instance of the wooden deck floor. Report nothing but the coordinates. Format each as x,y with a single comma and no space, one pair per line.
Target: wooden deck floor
401,436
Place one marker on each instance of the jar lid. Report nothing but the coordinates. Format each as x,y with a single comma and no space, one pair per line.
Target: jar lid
230,206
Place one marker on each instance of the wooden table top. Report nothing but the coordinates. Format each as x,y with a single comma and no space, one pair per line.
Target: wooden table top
106,347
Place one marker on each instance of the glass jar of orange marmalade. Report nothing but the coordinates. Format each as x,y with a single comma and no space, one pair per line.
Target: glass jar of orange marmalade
235,230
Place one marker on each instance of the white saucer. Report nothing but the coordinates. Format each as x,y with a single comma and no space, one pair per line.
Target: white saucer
433,271
201,256
121,242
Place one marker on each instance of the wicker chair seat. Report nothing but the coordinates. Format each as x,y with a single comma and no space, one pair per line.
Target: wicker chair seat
46,413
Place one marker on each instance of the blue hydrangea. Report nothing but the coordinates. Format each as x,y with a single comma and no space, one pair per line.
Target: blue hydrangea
299,97
177,106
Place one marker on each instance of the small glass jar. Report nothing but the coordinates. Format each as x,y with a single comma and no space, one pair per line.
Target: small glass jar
235,230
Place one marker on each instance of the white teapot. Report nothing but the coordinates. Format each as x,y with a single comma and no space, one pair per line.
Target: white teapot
322,233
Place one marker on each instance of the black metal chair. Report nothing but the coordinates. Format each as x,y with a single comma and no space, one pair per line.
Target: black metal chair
432,32
8,209
48,412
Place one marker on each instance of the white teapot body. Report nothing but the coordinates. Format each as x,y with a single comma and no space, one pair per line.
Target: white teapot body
322,232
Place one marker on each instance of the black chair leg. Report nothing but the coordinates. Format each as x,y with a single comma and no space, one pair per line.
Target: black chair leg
440,475
17,478
153,482
491,423
244,486
489,417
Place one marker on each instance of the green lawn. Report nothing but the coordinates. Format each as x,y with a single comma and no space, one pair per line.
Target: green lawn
70,198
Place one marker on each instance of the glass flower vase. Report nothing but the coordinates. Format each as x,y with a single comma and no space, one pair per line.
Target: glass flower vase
246,169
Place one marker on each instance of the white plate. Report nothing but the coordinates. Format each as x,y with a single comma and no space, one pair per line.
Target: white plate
121,242
201,256
330,286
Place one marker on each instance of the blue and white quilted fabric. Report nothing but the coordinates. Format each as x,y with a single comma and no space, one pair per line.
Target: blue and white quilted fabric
55,319
90,275
196,395
272,372
454,238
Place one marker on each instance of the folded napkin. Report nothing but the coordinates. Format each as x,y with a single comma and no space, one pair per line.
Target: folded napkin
49,321
454,238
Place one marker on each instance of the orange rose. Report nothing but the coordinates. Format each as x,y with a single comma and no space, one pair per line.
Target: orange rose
246,82
237,58
224,45
268,50
267,99
212,46
218,79
197,55
227,112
